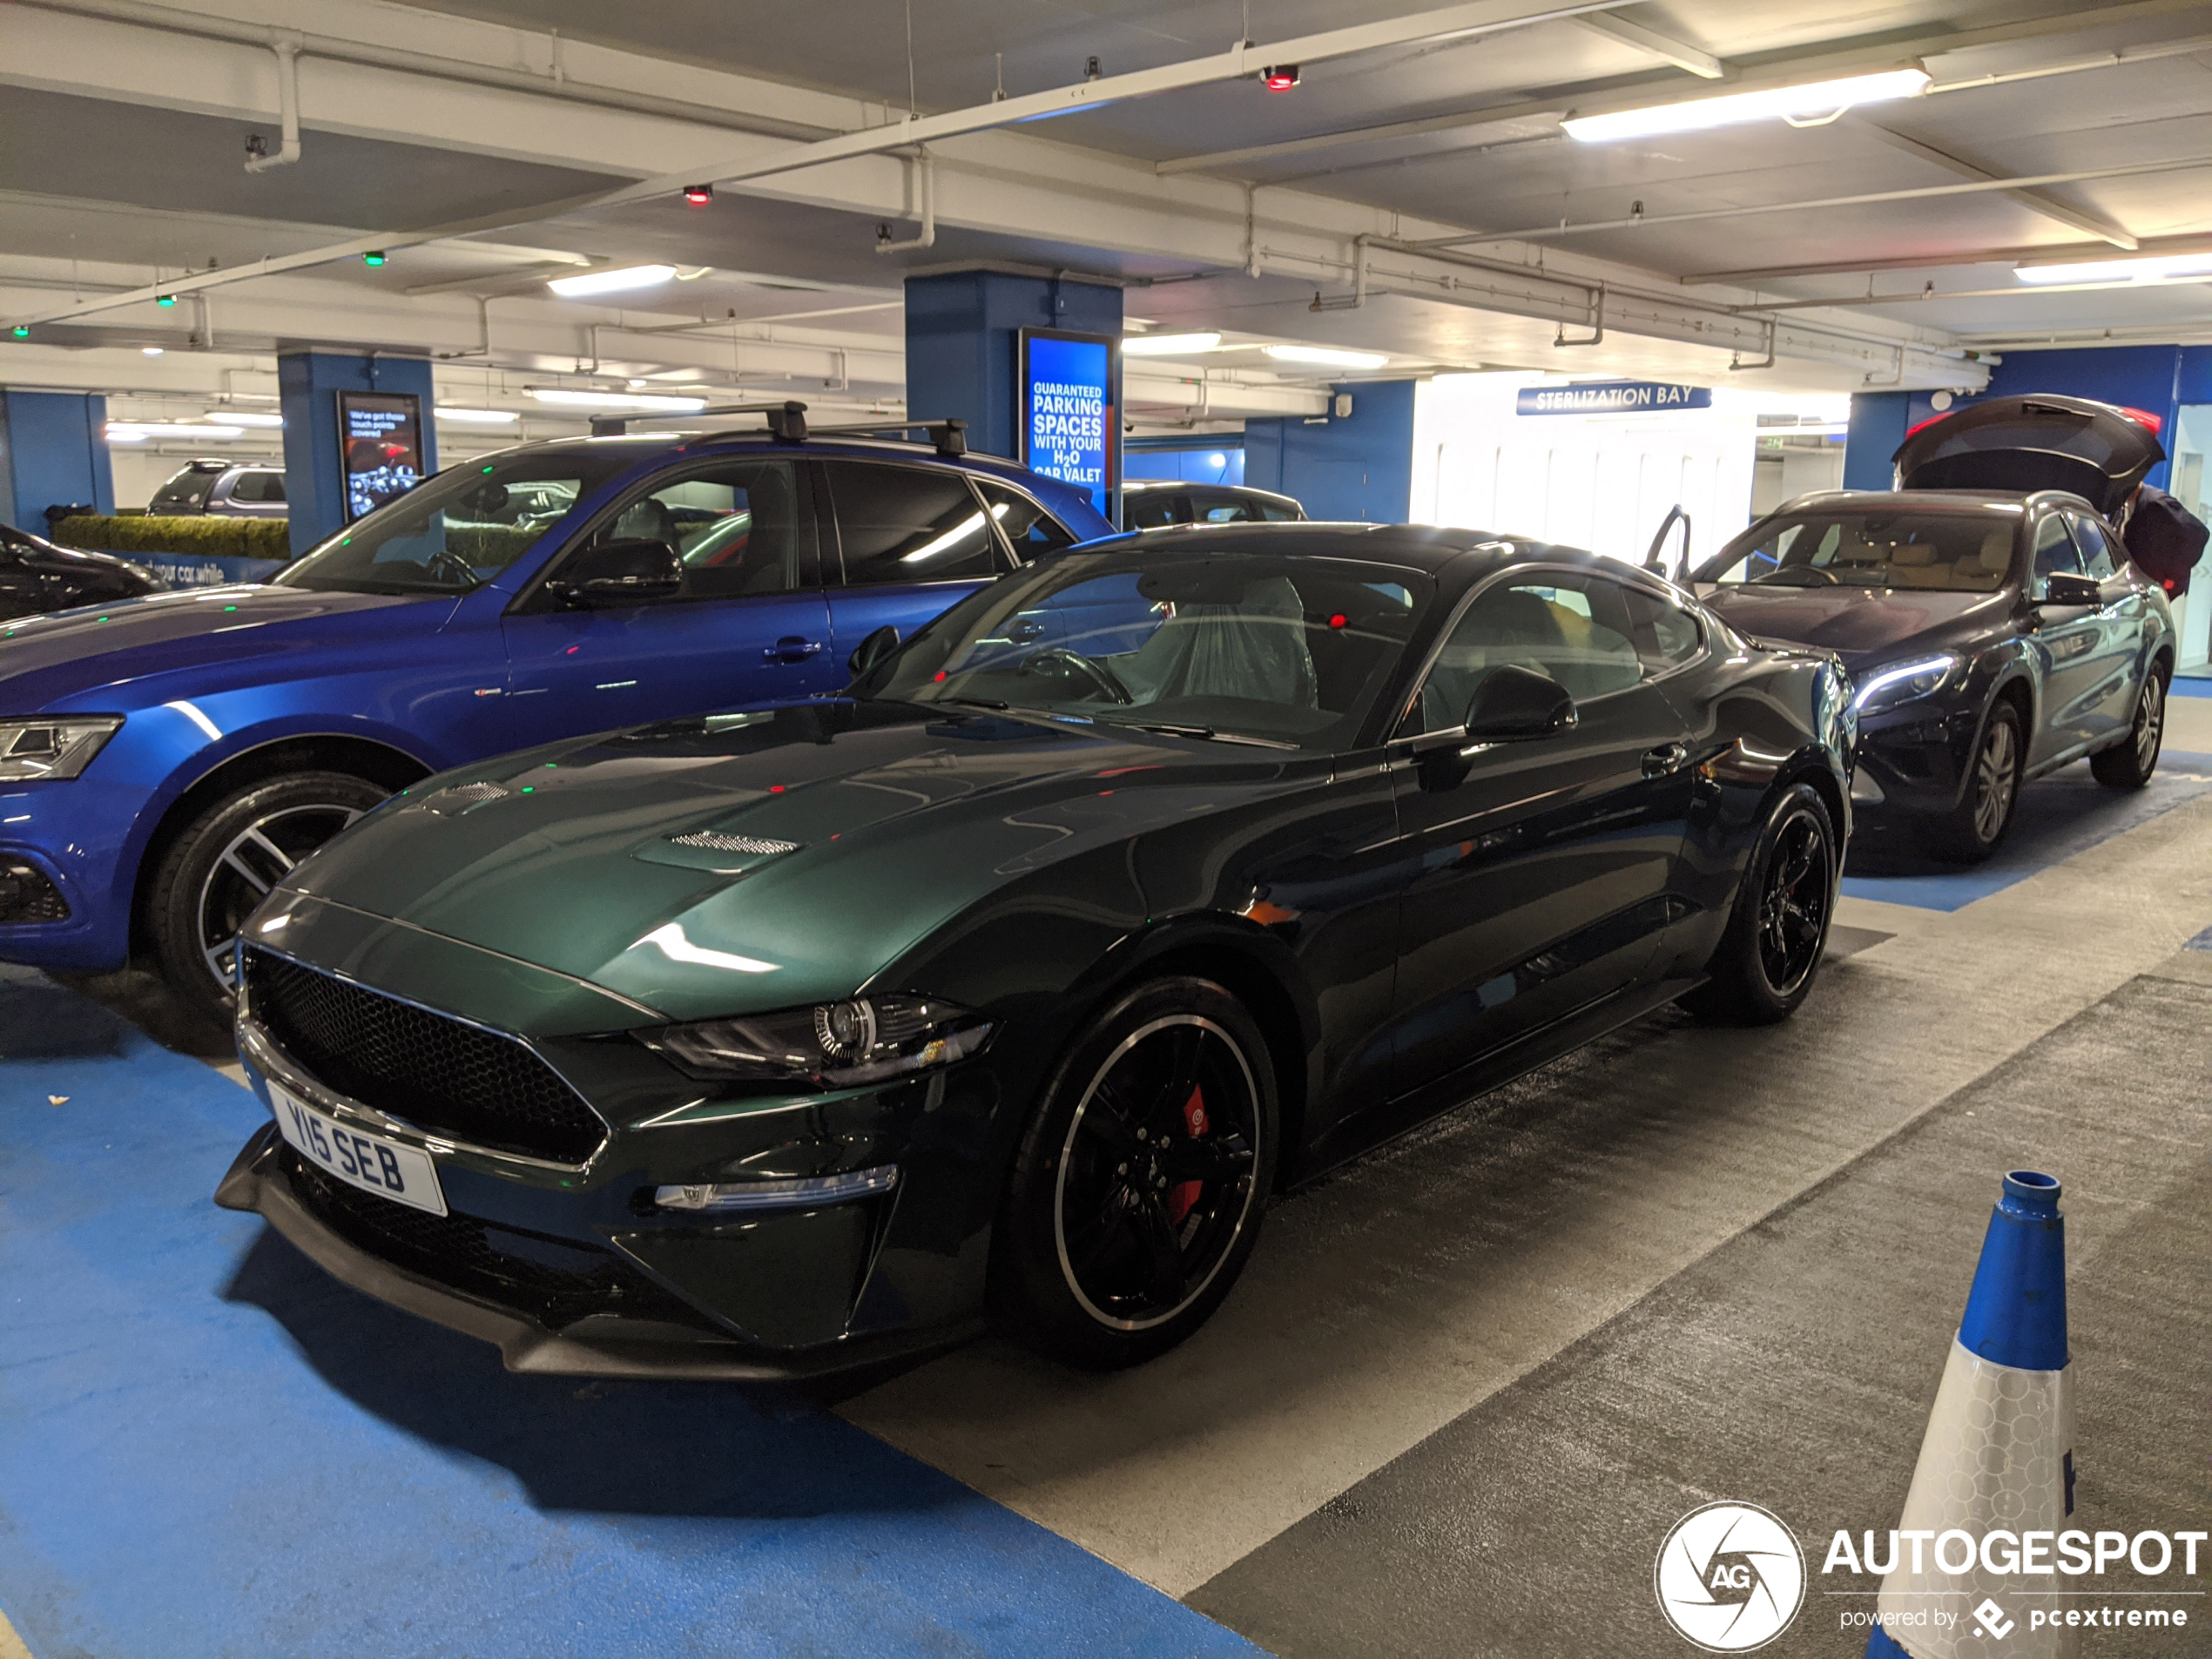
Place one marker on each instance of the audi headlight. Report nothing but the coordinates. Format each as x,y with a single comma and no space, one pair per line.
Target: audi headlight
864,1040
58,748
1884,688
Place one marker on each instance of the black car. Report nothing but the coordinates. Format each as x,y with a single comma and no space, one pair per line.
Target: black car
1993,627
1155,505
1136,885
36,576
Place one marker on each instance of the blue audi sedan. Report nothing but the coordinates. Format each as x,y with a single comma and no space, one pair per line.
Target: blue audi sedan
164,761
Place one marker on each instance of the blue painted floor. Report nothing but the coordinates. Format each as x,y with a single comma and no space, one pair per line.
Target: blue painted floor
2058,817
2192,686
207,1447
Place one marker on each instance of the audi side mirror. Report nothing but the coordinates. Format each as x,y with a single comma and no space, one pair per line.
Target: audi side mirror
620,573
2062,589
872,650
1513,704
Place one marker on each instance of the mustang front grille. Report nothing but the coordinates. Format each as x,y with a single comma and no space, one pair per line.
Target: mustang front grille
438,1073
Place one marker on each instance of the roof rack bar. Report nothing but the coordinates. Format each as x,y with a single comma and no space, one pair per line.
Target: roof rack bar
948,434
786,420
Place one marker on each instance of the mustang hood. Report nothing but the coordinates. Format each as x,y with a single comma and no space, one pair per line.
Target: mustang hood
1858,624
748,862
45,660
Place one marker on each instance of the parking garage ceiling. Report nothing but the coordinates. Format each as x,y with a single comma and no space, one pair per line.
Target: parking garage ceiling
482,137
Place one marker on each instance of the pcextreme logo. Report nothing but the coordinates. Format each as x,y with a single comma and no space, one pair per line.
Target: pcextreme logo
1730,1577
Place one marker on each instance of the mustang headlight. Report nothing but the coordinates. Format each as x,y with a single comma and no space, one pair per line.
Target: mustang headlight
1884,688
864,1040
56,748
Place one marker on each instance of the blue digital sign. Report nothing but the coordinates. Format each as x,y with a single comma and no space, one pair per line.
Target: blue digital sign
1069,425
1612,397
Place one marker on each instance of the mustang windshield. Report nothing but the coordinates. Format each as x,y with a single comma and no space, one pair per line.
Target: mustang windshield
1956,552
457,530
1241,647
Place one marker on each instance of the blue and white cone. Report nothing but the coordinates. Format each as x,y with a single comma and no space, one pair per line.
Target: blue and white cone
1998,1456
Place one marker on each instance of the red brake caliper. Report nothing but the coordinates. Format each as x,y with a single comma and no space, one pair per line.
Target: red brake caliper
1183,1194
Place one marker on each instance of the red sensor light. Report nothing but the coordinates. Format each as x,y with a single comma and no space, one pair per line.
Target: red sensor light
699,195
1279,77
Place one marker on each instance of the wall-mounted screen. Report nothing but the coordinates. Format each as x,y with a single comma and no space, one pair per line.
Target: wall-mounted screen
1069,418
379,447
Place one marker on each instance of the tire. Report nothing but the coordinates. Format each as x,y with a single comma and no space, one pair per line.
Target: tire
1102,1257
216,872
2129,763
1972,830
1768,957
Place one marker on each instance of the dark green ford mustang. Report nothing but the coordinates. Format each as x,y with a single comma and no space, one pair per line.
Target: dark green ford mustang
1013,982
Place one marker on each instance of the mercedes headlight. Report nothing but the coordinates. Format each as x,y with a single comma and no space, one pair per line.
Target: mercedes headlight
58,748
863,1040
1884,688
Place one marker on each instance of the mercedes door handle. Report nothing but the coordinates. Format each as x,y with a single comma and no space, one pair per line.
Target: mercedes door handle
1668,757
791,648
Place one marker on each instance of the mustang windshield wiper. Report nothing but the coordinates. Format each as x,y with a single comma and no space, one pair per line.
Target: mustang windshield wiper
1169,729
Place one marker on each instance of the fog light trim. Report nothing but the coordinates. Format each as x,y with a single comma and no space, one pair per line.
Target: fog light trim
804,1192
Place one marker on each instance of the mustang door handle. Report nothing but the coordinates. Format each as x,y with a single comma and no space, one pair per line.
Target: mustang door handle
791,648
1668,757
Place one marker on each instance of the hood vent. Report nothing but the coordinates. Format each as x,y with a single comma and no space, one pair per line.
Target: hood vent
716,841
457,800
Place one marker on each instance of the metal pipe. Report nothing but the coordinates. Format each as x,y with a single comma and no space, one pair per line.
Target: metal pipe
1464,21
287,57
928,185
1974,187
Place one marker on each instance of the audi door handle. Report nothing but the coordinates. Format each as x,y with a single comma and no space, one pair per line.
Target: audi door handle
791,648
1668,757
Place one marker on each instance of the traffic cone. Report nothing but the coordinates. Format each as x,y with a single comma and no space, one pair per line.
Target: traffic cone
1999,1453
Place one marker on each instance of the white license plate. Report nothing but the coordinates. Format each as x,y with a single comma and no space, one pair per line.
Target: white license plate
390,1170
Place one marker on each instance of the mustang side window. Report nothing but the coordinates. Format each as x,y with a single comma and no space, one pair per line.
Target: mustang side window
2055,553
1666,635
1575,629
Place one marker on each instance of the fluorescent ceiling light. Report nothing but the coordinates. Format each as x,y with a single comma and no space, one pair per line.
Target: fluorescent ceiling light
614,400
479,417
149,351
134,431
1167,345
630,276
1328,356
2143,268
244,417
1816,98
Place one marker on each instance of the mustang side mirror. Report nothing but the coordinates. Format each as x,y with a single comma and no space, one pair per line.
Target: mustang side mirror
872,650
615,573
2061,588
1512,703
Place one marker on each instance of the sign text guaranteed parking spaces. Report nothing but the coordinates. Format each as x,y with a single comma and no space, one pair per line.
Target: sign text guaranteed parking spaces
1612,397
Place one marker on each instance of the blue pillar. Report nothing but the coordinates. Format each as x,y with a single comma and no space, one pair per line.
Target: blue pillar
53,453
1878,424
963,336
314,461
1355,468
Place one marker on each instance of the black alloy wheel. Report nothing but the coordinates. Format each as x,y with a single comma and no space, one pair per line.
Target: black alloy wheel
1137,1197
1768,958
218,870
2129,765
